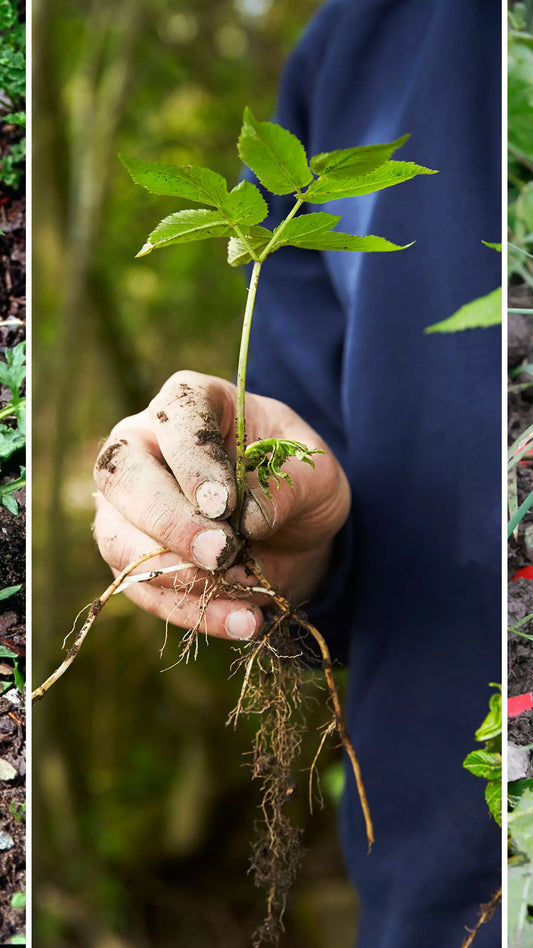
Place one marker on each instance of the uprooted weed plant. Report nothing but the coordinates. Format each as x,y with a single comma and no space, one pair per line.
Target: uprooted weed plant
275,664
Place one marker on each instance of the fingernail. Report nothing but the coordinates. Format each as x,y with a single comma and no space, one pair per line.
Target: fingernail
241,624
211,548
212,498
265,505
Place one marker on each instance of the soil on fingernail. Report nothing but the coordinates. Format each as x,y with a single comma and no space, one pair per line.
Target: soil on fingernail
106,459
162,416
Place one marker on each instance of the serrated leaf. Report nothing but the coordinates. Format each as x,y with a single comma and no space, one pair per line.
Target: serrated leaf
245,204
336,186
335,240
187,181
186,226
257,238
484,764
493,796
305,225
274,154
355,161
480,313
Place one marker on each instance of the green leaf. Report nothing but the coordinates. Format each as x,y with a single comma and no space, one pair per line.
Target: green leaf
11,440
18,940
492,246
492,725
521,823
13,370
186,181
335,240
335,186
484,764
520,514
493,796
274,154
267,456
18,901
186,226
257,238
245,204
305,225
355,161
480,313
20,680
6,652
9,591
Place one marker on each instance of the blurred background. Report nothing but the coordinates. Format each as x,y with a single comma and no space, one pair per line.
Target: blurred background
143,804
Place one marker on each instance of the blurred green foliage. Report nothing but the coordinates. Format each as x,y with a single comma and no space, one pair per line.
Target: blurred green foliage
143,802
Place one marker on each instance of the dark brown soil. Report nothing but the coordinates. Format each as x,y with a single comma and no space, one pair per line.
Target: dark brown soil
520,353
12,610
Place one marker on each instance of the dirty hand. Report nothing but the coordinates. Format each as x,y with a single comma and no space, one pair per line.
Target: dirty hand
166,478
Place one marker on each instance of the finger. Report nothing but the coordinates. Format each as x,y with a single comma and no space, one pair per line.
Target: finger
191,416
221,618
146,494
120,543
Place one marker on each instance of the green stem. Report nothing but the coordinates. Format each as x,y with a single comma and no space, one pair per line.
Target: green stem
11,408
280,229
240,462
244,239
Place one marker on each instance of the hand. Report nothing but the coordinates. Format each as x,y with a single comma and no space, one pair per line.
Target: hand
166,478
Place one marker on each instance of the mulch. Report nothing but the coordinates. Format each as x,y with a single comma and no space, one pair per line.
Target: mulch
12,610
520,555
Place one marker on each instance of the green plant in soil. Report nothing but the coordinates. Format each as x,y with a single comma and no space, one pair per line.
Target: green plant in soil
275,663
12,89
13,435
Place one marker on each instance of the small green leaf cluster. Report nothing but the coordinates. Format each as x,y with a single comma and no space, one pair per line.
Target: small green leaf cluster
266,457
13,86
487,762
279,161
13,438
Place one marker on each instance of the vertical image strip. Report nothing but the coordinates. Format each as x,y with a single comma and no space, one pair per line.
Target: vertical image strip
12,471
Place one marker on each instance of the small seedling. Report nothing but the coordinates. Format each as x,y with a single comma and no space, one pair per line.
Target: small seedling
13,437
273,664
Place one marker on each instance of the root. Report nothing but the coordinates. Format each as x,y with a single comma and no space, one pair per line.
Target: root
94,611
301,620
485,914
274,664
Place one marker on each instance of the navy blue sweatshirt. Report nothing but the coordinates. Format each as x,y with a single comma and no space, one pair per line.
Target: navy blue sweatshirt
413,593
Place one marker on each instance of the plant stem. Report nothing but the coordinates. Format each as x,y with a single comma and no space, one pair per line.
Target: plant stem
280,229
240,465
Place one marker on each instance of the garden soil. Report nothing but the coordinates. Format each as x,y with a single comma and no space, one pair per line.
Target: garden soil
12,610
520,603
